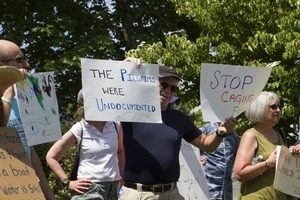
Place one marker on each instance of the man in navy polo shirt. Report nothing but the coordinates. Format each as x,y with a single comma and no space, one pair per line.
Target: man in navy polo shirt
152,149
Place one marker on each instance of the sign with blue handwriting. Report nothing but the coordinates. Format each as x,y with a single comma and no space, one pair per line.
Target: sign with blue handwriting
119,91
227,90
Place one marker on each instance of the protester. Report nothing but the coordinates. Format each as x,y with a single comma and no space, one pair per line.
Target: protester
218,165
11,54
152,149
260,141
101,157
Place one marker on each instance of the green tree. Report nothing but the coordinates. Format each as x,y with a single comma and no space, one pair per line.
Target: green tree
147,21
56,34
252,33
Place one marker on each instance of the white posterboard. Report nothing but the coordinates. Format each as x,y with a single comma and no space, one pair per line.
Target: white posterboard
287,175
192,182
38,108
227,90
118,91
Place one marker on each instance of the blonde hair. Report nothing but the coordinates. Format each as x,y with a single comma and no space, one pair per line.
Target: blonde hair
79,113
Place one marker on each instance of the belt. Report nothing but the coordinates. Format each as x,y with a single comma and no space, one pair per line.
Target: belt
150,188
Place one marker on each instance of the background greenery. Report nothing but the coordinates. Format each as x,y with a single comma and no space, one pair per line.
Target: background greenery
55,34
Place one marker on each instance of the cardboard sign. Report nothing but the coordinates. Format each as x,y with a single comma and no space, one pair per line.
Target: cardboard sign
227,90
118,91
192,182
18,180
38,108
287,176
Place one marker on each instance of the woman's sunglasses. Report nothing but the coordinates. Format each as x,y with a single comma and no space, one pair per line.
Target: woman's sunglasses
274,107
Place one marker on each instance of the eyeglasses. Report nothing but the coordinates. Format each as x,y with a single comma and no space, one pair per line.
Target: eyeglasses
173,88
19,60
274,107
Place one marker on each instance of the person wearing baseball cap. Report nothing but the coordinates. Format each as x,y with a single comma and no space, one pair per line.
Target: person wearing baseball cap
152,149
167,71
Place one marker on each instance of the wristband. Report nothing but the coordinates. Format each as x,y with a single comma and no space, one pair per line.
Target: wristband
267,164
219,135
9,102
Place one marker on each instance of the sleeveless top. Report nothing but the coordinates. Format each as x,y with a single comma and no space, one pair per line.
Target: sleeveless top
261,187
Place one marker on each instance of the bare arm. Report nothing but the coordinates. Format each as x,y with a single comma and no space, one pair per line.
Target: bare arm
243,170
55,153
209,143
7,100
37,166
121,156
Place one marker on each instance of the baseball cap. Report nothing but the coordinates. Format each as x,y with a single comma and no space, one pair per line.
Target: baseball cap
168,71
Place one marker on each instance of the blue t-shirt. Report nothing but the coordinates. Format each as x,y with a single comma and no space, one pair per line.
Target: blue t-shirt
15,122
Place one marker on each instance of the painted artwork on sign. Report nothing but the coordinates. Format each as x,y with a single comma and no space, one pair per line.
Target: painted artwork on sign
38,108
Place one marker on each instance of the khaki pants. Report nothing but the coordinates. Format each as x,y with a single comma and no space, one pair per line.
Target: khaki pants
132,194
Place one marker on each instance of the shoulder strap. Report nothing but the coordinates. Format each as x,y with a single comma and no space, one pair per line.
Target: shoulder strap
79,146
282,135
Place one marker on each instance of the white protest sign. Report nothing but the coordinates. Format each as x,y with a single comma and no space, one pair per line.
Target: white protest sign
192,181
38,108
287,174
227,90
118,91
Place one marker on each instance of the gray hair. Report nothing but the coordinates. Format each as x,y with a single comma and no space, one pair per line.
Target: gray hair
256,111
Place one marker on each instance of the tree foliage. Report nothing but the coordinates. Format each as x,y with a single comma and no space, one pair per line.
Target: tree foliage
251,33
55,34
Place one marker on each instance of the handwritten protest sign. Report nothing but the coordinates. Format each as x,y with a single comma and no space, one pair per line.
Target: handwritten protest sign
118,91
18,180
227,90
38,108
192,180
287,176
